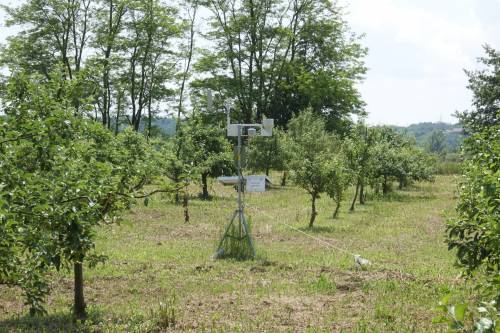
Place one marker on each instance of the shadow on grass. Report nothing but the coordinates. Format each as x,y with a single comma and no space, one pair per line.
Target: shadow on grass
278,187
211,198
59,322
318,229
406,196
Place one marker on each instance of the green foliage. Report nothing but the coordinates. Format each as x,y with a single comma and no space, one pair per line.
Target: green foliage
266,154
453,315
277,58
62,176
475,231
339,179
123,48
358,150
310,147
484,86
460,317
178,163
211,152
415,165
395,158
384,166
436,142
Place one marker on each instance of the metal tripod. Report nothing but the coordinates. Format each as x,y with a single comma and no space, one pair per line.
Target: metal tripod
239,215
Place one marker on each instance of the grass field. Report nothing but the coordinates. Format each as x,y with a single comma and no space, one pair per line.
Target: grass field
297,284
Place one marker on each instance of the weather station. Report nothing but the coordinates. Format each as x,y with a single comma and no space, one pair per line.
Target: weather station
238,228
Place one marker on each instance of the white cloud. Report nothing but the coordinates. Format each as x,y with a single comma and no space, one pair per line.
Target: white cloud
418,50
445,39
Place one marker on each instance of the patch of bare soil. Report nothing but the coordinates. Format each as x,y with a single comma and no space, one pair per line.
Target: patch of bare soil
271,313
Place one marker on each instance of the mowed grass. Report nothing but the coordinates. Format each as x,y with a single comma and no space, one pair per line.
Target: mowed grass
297,283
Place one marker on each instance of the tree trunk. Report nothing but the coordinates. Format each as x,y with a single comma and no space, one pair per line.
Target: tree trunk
185,202
362,194
313,210
79,308
204,183
283,178
150,119
118,110
336,212
267,171
177,191
401,184
188,66
355,197
385,186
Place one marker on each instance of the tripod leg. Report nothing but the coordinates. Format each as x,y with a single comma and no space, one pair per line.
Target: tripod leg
247,232
225,231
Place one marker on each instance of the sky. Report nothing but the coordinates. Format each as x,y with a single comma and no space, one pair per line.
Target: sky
417,53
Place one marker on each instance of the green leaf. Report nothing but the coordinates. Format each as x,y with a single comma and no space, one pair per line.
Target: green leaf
460,310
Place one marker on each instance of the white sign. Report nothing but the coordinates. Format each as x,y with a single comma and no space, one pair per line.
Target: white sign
255,184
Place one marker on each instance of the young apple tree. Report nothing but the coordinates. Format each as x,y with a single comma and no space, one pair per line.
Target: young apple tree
339,179
211,151
310,148
62,176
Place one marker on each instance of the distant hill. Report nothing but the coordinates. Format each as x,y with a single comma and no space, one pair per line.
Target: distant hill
422,131
166,125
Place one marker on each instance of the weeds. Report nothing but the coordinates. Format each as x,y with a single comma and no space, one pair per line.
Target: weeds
165,315
324,285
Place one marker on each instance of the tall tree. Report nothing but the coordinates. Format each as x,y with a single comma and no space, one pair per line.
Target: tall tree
151,27
436,142
323,62
124,49
109,25
56,31
188,50
282,57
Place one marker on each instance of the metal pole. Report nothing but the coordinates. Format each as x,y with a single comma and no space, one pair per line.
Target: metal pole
240,181
242,225
240,175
